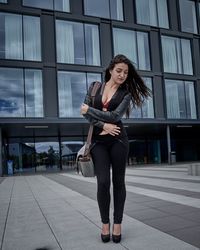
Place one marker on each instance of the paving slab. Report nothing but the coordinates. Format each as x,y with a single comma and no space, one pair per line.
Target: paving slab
39,213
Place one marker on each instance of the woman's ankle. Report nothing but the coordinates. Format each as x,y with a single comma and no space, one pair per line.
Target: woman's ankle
106,228
116,229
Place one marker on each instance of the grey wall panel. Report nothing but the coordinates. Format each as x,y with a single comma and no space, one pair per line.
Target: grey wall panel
50,92
155,51
106,43
48,40
198,98
173,14
158,87
196,56
77,7
129,11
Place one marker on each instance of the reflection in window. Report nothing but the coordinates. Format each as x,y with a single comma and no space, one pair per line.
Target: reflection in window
180,99
77,43
152,12
69,150
20,37
188,16
136,46
12,93
32,46
147,110
21,154
14,102
71,91
33,93
60,5
47,154
112,9
175,51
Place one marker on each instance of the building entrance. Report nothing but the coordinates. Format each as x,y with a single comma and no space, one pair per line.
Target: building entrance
144,152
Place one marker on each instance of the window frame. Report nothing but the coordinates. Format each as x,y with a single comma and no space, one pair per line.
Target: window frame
87,77
30,6
179,39
156,16
183,82
23,79
83,24
109,11
22,36
196,17
135,32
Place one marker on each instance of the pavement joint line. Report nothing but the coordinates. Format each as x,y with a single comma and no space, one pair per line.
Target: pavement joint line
185,200
166,178
188,201
191,187
164,233
2,241
77,210
43,214
38,185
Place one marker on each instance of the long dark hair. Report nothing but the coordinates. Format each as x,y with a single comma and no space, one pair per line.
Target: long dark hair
134,84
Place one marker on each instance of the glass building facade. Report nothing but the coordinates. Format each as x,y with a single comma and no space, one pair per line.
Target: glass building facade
51,51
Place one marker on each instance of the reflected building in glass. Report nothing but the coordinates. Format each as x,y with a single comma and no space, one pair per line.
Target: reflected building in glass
52,50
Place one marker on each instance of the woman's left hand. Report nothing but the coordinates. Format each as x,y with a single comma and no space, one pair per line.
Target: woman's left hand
84,108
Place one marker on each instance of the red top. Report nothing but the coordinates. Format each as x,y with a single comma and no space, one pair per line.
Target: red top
105,104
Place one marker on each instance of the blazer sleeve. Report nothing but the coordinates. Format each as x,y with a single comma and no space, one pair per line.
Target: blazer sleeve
111,116
88,101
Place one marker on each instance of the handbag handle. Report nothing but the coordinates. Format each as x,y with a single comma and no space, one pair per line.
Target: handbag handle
89,137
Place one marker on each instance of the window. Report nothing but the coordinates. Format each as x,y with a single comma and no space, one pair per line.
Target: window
3,1
133,44
20,37
112,9
177,55
152,12
77,43
147,109
188,16
72,88
33,93
60,5
180,99
21,93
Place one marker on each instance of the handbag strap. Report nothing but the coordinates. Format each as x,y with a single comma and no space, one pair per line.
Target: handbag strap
89,137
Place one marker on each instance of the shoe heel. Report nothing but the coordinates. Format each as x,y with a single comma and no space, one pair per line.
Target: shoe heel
116,238
105,238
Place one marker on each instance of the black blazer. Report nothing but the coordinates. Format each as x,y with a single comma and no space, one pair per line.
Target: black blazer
118,105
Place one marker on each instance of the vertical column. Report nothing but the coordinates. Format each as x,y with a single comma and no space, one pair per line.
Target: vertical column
106,42
158,97
173,14
198,98
129,11
1,163
168,144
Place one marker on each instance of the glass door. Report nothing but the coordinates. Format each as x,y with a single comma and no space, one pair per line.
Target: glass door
47,154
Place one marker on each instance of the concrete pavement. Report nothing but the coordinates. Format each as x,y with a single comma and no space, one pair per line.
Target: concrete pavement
59,211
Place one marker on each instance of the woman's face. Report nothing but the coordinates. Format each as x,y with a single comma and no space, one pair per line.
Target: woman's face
119,73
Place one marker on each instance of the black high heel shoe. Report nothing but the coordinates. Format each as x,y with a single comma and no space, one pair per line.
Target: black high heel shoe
116,238
105,237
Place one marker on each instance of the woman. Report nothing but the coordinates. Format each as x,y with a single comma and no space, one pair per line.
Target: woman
122,86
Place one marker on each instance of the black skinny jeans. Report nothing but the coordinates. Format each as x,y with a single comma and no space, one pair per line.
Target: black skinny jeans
110,151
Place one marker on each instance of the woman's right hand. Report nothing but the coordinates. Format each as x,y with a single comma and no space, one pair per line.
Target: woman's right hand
111,129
